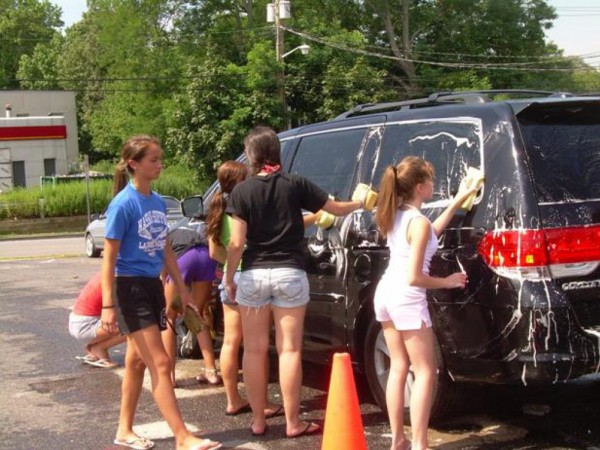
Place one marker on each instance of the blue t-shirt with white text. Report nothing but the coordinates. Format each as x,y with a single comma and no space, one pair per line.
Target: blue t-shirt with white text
140,222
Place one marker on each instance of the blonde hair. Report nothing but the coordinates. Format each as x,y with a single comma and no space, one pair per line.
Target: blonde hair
397,186
134,149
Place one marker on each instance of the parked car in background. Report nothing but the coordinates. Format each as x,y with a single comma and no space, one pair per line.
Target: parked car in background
94,233
530,313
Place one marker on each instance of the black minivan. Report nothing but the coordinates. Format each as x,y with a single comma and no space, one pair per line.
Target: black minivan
530,245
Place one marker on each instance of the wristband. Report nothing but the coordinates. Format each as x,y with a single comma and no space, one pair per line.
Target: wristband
108,307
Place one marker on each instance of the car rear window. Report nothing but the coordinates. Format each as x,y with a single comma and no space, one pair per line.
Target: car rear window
562,142
450,144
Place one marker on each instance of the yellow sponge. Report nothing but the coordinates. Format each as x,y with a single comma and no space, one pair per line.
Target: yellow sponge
364,193
325,219
193,323
473,180
176,305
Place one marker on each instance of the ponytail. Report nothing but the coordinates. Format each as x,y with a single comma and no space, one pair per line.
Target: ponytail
121,177
229,174
216,213
134,149
387,201
262,147
397,187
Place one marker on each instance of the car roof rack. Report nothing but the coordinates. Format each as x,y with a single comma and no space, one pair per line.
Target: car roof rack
445,98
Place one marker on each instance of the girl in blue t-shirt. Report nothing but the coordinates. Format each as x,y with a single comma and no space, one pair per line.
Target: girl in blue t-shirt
135,250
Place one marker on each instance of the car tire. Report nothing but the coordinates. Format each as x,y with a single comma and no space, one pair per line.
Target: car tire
376,365
90,248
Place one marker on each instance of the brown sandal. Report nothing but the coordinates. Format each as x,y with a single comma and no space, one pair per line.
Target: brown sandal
209,376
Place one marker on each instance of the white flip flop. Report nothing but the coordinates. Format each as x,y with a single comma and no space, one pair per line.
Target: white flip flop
103,363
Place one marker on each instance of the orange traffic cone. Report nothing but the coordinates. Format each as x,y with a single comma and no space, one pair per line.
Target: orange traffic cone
343,422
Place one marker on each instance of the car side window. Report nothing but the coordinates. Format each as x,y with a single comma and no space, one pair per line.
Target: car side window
450,145
286,146
329,160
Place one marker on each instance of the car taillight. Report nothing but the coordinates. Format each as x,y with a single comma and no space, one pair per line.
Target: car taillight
573,244
568,251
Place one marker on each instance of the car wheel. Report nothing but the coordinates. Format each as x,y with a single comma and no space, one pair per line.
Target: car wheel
90,248
376,365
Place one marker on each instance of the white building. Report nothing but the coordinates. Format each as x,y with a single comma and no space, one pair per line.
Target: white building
38,136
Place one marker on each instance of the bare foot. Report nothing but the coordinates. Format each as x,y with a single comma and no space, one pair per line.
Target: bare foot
131,439
192,442
304,429
258,430
97,351
238,406
209,376
404,444
273,409
212,376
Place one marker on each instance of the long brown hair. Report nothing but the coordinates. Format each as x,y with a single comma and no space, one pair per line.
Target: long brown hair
262,148
397,186
134,149
229,174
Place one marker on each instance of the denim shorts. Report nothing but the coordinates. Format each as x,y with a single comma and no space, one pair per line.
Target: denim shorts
223,293
281,287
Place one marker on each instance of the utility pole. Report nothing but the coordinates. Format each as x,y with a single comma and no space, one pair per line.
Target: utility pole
280,70
276,13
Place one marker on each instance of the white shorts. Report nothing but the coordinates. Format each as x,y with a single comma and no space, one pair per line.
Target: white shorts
389,307
83,327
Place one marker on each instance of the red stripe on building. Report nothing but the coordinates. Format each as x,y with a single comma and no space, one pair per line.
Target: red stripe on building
33,133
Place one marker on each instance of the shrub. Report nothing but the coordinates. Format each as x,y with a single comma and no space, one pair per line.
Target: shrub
179,181
69,199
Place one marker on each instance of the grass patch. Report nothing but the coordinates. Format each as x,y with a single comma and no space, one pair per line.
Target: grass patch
69,199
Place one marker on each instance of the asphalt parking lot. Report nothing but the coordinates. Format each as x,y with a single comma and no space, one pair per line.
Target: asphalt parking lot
50,400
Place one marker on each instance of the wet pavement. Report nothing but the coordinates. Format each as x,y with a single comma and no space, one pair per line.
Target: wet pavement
51,400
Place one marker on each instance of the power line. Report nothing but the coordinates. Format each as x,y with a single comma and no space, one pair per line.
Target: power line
194,37
305,74
453,65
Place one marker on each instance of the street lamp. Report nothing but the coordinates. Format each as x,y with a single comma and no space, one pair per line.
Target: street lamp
276,12
304,49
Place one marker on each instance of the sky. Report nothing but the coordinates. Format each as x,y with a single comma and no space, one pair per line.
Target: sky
576,30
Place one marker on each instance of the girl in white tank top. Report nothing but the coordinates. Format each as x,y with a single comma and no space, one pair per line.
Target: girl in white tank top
395,277
400,299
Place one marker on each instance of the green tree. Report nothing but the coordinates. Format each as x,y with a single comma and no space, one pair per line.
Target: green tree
40,69
221,103
24,24
225,98
200,73
448,44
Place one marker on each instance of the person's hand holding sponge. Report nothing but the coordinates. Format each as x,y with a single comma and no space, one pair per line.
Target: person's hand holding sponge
191,318
324,219
469,187
362,194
